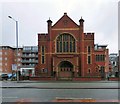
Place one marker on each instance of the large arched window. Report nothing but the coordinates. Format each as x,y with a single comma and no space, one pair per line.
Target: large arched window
65,43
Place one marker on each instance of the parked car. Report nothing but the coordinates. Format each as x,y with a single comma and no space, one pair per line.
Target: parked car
4,76
9,76
12,76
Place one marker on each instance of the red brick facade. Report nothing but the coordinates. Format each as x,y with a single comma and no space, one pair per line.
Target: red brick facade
8,58
66,52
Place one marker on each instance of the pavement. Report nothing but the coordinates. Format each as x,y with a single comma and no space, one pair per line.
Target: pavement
61,84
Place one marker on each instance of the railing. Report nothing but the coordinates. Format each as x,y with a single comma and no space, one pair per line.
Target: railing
29,51
28,66
30,56
29,61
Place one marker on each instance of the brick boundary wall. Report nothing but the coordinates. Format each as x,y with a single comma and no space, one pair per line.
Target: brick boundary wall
42,78
114,79
74,79
87,79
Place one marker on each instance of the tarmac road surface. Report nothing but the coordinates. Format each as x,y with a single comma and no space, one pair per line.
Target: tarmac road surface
54,91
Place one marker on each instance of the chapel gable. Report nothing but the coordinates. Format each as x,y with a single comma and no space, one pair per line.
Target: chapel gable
65,22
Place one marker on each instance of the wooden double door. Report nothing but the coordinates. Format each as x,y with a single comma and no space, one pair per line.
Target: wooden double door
65,71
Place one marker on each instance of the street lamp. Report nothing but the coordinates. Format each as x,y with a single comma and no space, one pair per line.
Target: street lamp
16,45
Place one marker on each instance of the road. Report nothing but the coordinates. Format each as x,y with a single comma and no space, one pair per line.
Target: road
61,84
44,92
41,95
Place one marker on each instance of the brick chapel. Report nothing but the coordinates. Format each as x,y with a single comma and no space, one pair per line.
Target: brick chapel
67,52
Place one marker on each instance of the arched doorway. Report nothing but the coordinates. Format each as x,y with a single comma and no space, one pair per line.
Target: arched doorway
65,70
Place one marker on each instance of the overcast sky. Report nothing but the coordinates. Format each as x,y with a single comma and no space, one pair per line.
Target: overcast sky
101,17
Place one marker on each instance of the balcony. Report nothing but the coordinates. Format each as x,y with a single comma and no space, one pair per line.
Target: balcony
30,51
29,56
27,66
29,61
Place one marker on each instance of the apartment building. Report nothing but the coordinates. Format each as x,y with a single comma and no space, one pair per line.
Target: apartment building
0,60
23,61
114,63
29,60
8,59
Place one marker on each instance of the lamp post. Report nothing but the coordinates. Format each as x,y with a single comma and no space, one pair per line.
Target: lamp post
16,45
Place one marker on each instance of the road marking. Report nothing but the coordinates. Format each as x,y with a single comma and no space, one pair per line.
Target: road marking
24,100
59,99
9,97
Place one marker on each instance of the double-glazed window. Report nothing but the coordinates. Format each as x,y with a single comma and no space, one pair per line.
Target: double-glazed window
65,43
100,57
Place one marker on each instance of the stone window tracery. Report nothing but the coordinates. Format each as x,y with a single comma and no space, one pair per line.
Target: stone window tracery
65,43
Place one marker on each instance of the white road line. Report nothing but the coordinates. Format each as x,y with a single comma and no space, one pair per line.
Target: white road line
9,97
